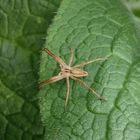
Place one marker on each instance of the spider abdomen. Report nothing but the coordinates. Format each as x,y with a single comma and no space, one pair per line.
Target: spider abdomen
79,73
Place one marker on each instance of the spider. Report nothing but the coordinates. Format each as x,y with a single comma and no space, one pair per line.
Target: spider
69,71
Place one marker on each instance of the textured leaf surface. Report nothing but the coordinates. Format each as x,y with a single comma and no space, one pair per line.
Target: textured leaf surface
93,28
134,5
23,26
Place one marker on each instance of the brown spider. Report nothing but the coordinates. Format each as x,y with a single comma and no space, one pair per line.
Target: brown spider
67,71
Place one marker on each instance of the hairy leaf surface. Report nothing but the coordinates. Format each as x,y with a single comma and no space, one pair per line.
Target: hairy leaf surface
93,29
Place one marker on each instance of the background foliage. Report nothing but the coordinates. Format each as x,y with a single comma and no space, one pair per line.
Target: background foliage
23,26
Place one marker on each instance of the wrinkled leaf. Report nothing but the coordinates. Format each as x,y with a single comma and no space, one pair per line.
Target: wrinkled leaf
134,5
23,26
93,28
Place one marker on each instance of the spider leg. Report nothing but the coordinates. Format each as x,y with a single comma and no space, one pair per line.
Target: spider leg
86,86
51,80
88,62
56,58
71,57
68,91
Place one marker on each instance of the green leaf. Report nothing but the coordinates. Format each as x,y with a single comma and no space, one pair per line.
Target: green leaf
23,26
134,5
93,28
